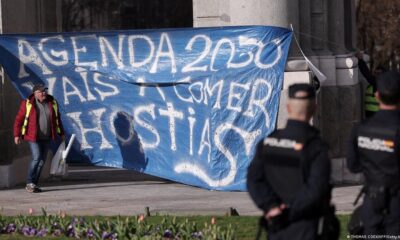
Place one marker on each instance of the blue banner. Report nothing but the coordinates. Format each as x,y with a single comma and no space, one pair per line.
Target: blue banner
188,105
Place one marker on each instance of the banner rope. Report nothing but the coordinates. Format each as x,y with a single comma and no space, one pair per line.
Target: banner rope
317,73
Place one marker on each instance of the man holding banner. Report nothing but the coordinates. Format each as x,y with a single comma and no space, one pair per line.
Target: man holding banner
38,122
371,104
289,176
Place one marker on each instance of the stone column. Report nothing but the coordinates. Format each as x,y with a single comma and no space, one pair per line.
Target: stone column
350,106
306,35
319,39
326,117
280,13
350,25
208,13
342,22
336,21
245,12
320,30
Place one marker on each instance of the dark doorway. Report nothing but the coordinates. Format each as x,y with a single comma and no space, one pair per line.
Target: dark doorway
87,15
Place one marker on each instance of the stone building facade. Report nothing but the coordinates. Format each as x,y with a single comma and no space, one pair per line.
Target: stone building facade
326,32
19,16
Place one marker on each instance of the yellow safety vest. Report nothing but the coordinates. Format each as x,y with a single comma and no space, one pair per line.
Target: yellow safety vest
28,110
370,102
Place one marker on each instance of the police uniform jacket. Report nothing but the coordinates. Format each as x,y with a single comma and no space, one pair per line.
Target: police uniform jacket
308,199
374,148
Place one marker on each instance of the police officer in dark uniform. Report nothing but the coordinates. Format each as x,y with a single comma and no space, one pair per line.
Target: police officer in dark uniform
375,151
289,177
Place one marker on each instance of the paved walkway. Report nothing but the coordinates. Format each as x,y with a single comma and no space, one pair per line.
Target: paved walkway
104,191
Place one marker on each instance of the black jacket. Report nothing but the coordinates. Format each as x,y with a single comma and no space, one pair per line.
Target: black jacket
366,72
356,163
316,188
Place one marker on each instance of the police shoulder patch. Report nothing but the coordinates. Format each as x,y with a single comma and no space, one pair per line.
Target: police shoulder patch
375,144
283,143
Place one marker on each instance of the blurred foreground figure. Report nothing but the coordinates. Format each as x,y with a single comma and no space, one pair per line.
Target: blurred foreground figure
289,178
375,151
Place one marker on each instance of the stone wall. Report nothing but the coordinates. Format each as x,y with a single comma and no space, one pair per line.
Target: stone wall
327,37
325,29
340,109
19,16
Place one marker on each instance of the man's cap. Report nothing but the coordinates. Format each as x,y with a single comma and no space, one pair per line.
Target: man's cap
389,83
39,87
301,91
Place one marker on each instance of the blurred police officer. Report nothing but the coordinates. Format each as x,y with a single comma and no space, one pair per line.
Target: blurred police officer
289,176
374,151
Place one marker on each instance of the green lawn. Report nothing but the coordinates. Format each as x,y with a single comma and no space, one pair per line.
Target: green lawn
244,227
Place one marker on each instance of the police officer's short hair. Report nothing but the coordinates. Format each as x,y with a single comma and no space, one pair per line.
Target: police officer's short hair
301,99
307,89
388,86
